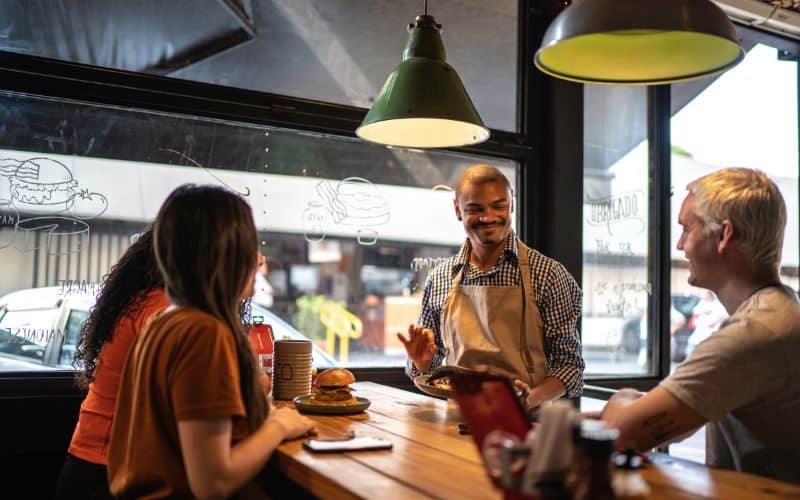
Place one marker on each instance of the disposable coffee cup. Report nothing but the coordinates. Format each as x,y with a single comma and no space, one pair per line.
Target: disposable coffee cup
291,369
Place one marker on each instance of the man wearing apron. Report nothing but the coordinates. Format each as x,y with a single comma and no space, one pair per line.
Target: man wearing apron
498,303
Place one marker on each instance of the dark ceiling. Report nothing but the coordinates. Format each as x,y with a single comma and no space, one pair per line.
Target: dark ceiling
331,50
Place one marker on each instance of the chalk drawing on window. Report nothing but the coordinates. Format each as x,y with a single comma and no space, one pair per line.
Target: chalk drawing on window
353,201
61,235
621,213
315,220
8,221
43,184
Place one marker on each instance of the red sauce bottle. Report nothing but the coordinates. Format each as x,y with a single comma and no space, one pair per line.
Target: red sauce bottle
263,341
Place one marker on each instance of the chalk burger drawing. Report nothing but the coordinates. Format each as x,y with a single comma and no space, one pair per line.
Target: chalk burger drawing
47,184
43,183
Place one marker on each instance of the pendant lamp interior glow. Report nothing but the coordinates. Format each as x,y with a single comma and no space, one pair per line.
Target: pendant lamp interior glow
423,103
639,42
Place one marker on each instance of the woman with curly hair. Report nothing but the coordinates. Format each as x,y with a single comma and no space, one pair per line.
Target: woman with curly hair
191,419
132,291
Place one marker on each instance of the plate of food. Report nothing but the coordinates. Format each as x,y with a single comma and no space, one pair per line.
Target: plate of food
439,383
332,395
438,388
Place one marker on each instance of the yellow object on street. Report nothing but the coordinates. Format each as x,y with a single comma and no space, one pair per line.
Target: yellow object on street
339,322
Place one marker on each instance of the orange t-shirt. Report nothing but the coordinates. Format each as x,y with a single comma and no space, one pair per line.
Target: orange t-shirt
183,366
90,439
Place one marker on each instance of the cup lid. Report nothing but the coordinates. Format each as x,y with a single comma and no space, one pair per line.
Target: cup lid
293,346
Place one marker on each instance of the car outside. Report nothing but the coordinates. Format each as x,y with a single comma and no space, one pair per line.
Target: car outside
685,305
40,329
26,321
633,337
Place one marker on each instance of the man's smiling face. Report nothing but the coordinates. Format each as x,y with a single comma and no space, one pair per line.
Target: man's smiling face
698,245
485,210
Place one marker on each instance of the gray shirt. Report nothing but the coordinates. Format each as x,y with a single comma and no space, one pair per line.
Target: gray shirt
745,379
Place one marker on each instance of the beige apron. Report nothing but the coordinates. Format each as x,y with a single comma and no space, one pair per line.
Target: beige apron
498,326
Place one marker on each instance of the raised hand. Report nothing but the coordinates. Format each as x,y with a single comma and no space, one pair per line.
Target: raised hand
420,346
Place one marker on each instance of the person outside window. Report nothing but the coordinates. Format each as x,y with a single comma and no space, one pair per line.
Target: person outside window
263,293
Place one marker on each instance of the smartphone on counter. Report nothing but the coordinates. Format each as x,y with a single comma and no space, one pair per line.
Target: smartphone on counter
355,444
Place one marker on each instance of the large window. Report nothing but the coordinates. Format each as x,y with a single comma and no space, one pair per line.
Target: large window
708,133
616,221
348,228
747,117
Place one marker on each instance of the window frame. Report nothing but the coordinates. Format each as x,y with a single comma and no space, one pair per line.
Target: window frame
43,77
659,118
548,148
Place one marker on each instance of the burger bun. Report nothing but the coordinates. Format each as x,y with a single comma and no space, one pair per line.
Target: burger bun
335,377
314,400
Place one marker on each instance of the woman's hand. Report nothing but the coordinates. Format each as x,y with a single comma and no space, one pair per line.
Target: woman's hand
420,346
293,424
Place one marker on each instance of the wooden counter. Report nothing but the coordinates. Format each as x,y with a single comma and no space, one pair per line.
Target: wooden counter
431,460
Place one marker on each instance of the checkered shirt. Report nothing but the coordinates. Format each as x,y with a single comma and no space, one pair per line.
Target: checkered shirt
555,292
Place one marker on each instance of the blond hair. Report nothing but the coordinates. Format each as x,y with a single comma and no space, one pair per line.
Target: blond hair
754,205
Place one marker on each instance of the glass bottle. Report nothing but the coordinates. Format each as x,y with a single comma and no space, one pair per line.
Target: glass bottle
595,446
263,341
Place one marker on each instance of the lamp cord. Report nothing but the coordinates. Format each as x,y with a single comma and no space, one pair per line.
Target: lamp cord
426,7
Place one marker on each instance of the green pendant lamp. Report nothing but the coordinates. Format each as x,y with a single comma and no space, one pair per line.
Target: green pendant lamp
423,103
639,42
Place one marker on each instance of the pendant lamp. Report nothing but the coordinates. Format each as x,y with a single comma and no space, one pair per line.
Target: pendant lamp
639,42
423,103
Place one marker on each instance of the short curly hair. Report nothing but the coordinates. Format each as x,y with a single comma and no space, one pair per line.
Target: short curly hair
480,174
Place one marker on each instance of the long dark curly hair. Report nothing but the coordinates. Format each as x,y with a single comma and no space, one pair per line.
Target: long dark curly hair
122,291
206,246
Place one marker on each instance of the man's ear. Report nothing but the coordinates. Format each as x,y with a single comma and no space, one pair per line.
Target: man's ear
457,209
726,234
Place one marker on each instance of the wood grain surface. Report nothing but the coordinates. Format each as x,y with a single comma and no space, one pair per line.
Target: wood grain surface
429,459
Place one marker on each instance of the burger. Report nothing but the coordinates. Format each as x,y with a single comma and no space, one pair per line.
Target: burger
332,388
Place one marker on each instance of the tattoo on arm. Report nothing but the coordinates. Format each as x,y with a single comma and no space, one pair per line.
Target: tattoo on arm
660,426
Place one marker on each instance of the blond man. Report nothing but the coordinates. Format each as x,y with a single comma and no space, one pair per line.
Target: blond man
742,381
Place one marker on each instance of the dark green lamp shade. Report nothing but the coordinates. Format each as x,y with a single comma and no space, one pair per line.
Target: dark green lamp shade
639,42
423,103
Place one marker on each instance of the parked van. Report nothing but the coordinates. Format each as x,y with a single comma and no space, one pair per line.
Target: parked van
40,329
